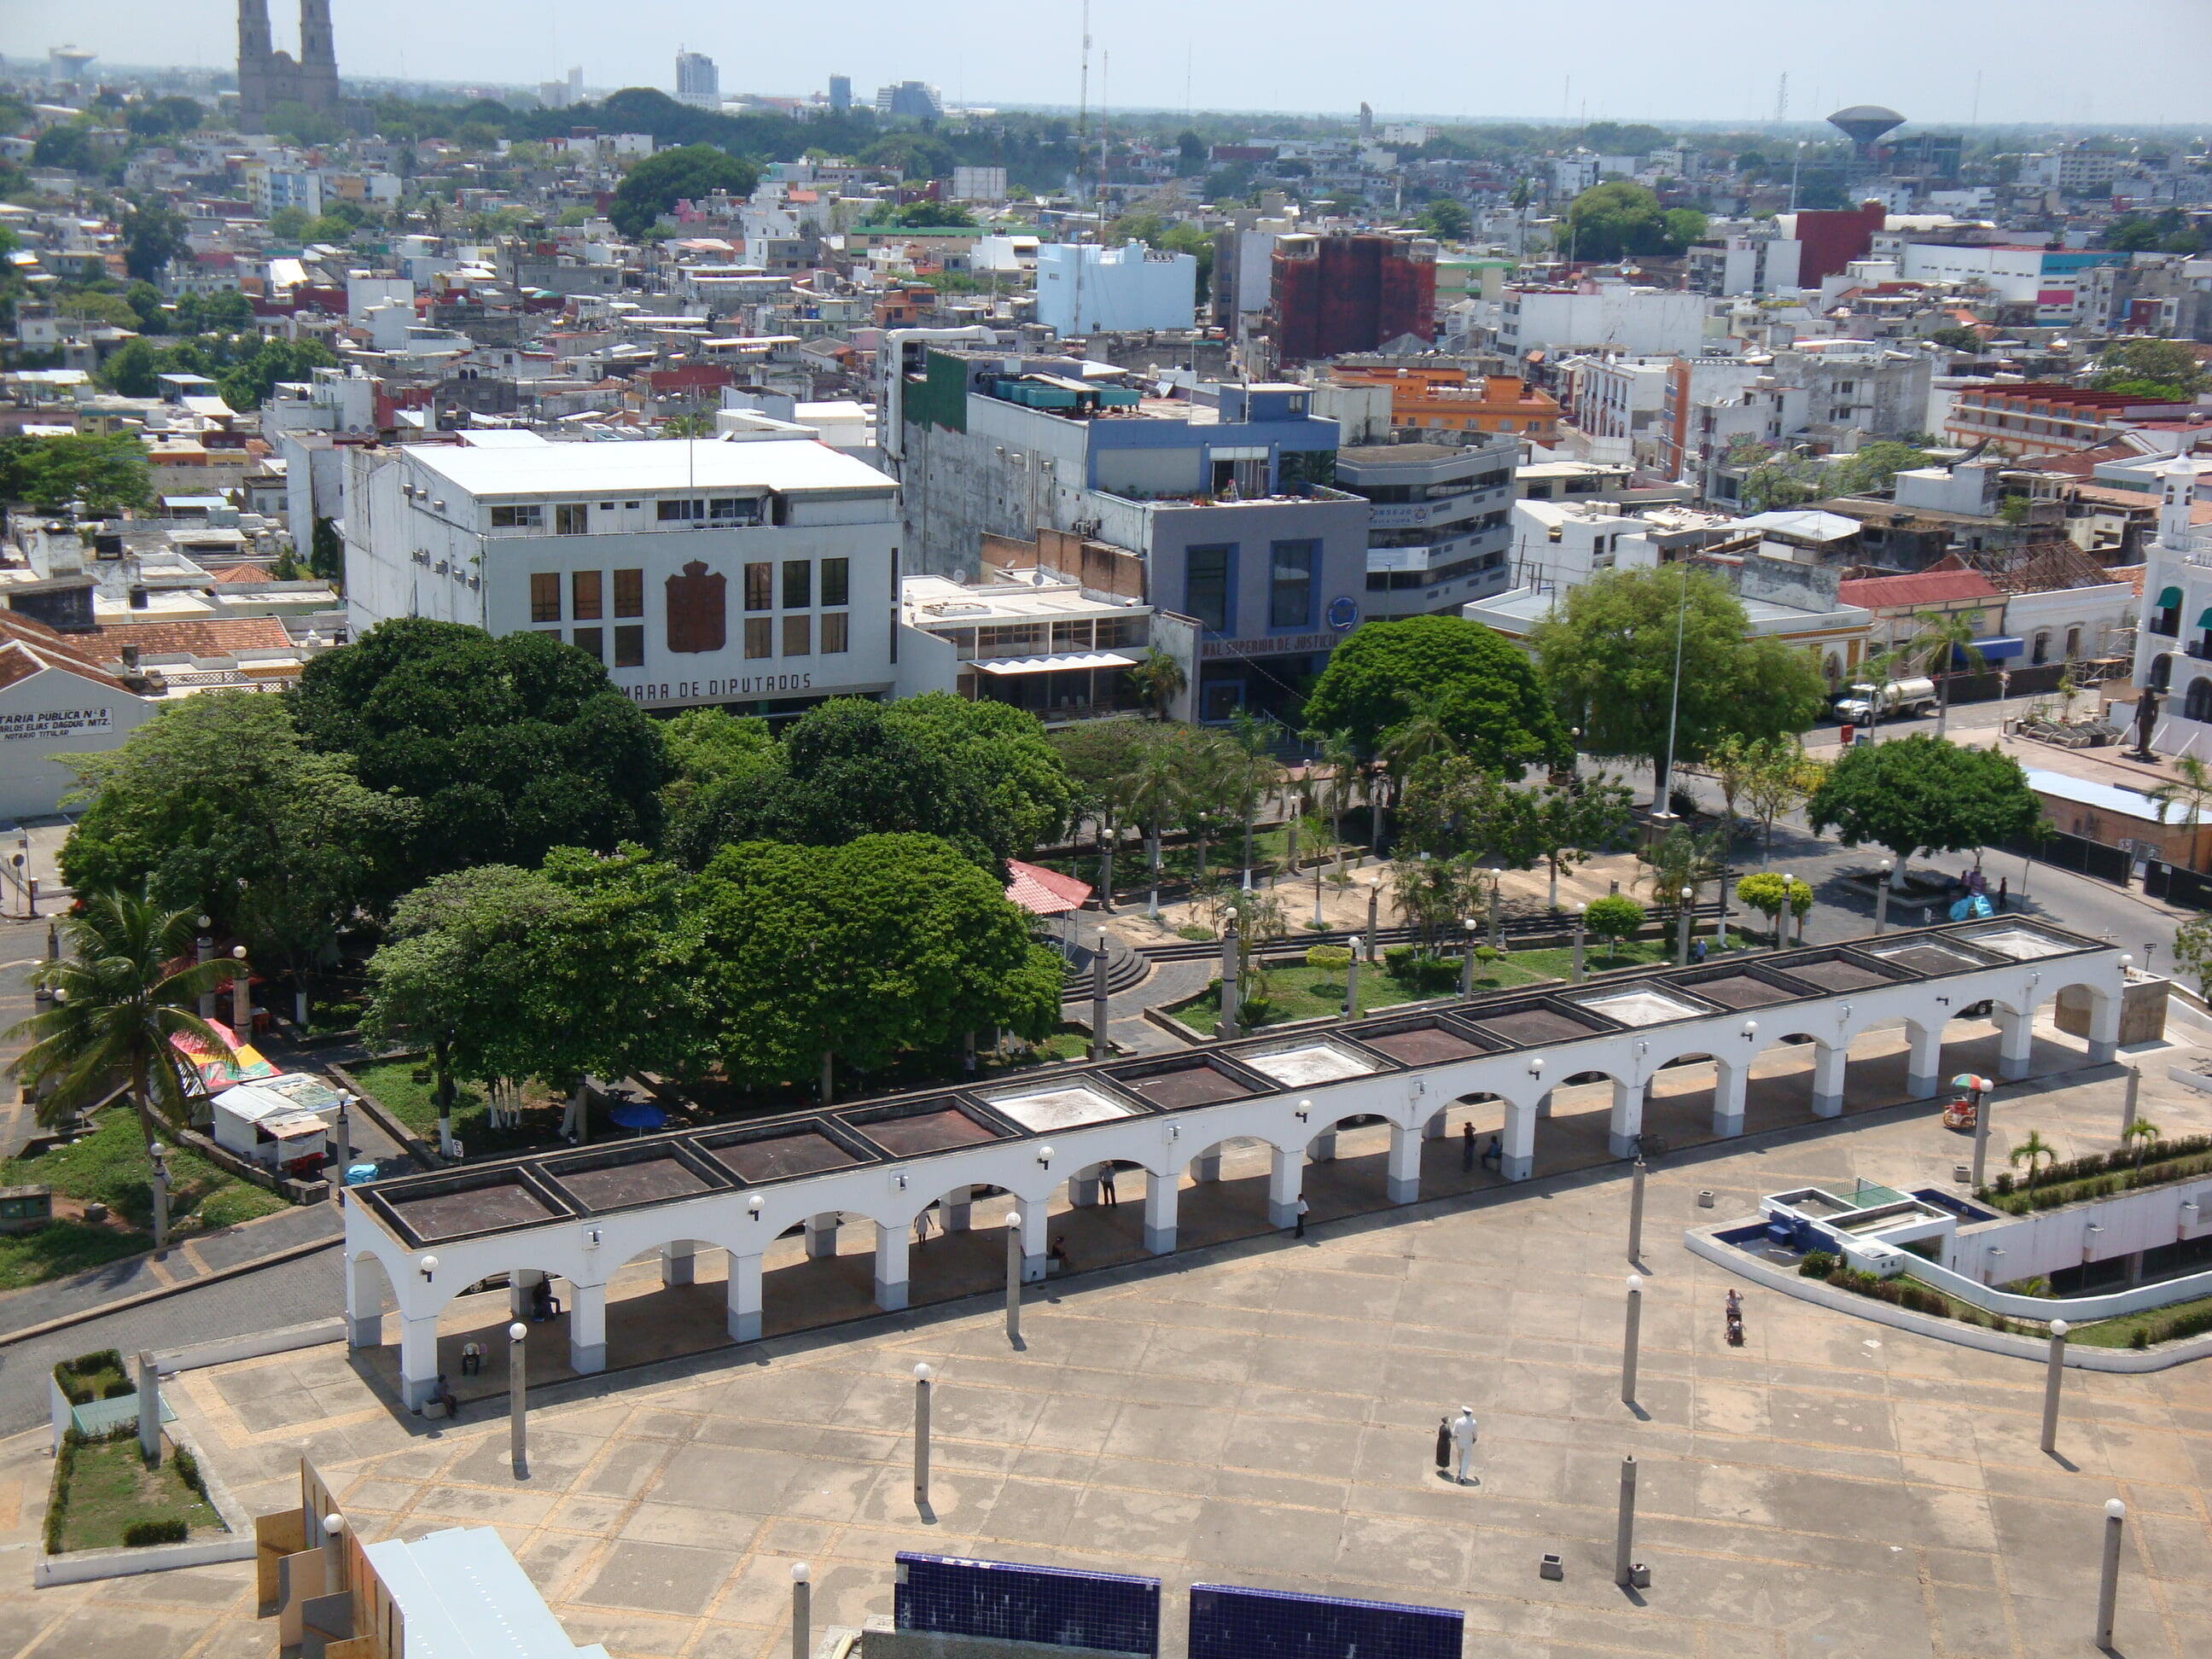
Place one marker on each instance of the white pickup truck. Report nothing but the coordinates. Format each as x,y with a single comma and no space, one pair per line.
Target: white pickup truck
1896,700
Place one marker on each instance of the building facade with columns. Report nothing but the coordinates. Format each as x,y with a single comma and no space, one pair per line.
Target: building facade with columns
2173,642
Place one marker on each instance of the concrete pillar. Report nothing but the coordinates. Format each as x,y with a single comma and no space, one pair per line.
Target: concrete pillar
1924,1066
1435,1127
1405,1173
2104,1030
1627,1121
418,1360
744,1297
1083,1190
1730,1083
1161,1192
2017,1034
1518,1144
821,1236
1206,1166
678,1264
1033,1239
890,1267
587,1327
1285,1175
959,1207
520,1284
364,1294
1829,1060
1323,1149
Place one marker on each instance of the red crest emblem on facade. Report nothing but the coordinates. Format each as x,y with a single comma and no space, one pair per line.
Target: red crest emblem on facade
696,601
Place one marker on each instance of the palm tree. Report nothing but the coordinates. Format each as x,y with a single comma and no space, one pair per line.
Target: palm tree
1159,680
2191,789
1946,636
2036,1151
1257,771
1342,760
119,995
2144,1133
1425,731
1152,792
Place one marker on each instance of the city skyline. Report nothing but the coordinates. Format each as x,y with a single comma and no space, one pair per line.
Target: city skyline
1241,57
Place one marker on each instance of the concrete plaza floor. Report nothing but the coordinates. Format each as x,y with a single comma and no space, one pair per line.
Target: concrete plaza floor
1263,1411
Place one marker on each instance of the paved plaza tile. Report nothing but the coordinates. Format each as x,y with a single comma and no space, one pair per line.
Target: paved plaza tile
1263,1412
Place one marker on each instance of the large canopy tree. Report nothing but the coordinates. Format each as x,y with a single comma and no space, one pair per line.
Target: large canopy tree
655,185
1480,692
512,745
1609,654
1921,794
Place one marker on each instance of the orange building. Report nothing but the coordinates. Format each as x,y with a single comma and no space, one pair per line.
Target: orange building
1437,398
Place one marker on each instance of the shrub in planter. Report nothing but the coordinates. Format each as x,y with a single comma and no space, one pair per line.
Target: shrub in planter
1817,1264
1330,958
188,1470
2141,1339
1398,960
2003,1187
1254,1010
140,1533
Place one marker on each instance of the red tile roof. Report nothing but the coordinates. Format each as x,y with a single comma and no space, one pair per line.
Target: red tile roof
212,637
73,653
1045,892
1927,587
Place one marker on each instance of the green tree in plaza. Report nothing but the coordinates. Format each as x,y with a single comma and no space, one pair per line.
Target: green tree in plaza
1004,753
1576,821
1609,654
1482,691
1101,759
216,805
1921,792
1614,918
512,745
104,473
813,956
707,747
1766,893
119,996
1769,776
655,184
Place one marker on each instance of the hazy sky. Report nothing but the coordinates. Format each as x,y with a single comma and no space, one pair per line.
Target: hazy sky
2055,61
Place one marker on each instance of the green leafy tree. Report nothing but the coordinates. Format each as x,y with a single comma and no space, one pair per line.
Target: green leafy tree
68,147
1448,218
2187,793
105,473
1921,792
118,999
2150,368
248,384
1618,219
1102,758
651,188
1874,466
707,747
2193,950
1682,859
290,224
1005,756
861,952
1158,679
1766,893
1578,821
1614,918
326,552
1610,655
1482,691
1956,338
96,309
153,233
133,371
512,745
1684,226
216,805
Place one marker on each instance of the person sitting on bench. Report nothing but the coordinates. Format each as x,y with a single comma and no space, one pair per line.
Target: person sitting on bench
543,1305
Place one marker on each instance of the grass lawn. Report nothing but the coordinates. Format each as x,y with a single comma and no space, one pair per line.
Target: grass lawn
1559,963
406,1087
108,1487
109,1167
2120,1333
1304,993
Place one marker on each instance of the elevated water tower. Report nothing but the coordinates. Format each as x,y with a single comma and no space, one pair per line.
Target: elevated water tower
1864,126
68,63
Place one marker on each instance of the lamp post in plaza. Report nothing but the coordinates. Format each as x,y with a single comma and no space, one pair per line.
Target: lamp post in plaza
1629,1340
1014,1277
518,1394
922,1374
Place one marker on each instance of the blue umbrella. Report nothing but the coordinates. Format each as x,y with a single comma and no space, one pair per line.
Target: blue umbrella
637,1115
1973,908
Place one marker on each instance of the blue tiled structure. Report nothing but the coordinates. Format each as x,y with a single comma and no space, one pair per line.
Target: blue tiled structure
999,1600
1230,1623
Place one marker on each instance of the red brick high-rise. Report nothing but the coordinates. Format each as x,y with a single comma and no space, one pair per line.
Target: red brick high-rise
1347,292
1833,237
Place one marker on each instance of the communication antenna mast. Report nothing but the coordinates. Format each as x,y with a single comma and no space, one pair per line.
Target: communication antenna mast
1082,147
1782,99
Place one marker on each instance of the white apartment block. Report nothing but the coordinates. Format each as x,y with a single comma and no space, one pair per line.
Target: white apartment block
1083,288
699,572
1643,322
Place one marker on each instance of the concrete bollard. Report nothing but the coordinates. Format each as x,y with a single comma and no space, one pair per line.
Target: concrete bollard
1629,1339
1624,1535
922,1381
1098,1044
2108,1581
2054,1375
518,1398
802,1611
1014,1277
150,1409
1636,1211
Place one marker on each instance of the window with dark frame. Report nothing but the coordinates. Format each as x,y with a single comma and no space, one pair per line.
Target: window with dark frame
798,584
1290,584
836,582
630,646
799,637
760,586
1205,585
630,592
760,637
572,519
835,626
591,641
584,595
517,518
544,596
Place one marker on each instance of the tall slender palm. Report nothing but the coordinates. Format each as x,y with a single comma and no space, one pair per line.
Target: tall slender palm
1258,771
119,995
1342,760
1945,637
2145,1134
2190,791
1153,792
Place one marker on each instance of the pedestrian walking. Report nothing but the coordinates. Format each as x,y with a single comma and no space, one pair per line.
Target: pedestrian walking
1697,951
1462,1439
923,1222
1299,1231
1444,1443
1106,1192
1467,1147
